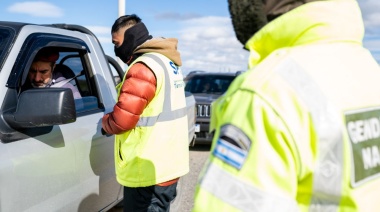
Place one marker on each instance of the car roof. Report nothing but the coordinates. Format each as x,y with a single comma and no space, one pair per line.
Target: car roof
17,26
12,24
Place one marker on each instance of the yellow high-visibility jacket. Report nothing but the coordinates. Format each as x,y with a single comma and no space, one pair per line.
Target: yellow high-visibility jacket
299,131
157,149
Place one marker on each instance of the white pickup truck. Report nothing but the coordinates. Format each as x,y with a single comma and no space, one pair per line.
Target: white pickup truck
53,156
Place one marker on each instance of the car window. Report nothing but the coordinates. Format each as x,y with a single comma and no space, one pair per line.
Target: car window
72,63
73,60
209,84
71,66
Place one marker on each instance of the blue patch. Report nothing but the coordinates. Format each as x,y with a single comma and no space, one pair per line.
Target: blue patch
229,153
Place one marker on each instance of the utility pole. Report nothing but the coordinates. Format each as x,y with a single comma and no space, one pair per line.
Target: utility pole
121,13
121,8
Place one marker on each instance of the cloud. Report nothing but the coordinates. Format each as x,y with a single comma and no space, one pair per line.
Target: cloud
103,33
209,44
104,40
371,15
36,8
373,44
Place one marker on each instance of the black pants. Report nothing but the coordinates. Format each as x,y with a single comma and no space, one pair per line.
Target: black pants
149,199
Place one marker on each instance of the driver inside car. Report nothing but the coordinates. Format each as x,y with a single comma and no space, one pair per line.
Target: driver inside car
42,73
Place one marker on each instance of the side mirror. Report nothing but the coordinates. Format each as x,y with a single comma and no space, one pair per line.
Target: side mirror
42,107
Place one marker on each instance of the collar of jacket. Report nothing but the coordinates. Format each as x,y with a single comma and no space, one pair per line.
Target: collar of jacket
320,21
164,46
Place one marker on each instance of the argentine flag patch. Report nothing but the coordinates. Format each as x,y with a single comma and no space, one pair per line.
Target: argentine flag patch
229,153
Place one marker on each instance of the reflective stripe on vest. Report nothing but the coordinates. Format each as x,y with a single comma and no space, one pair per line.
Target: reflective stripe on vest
241,195
328,175
168,114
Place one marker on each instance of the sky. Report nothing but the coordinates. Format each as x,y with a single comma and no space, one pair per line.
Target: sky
203,27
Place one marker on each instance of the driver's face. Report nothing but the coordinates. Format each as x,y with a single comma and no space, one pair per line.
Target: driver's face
40,73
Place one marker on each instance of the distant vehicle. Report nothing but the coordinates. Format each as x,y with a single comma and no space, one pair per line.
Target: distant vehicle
191,115
206,87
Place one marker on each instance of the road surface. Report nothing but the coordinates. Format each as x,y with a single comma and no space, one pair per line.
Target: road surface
198,156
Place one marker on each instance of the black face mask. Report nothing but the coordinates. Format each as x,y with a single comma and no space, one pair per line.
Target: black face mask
133,37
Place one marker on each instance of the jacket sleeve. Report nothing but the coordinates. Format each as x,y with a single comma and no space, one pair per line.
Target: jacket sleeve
137,91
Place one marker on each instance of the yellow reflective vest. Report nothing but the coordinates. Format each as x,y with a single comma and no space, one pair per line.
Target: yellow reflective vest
299,131
156,150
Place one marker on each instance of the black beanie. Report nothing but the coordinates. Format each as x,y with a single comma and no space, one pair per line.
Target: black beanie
249,16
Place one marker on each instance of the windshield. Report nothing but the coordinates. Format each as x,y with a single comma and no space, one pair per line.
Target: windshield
209,84
6,35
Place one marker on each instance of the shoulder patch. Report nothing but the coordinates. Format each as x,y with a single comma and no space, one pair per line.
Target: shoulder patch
363,127
232,146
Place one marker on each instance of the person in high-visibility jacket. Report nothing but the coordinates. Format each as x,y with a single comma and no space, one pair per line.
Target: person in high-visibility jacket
300,130
149,118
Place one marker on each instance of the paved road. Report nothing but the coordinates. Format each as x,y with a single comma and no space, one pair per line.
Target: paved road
198,156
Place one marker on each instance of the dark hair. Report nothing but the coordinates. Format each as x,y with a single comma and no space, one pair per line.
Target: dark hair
124,21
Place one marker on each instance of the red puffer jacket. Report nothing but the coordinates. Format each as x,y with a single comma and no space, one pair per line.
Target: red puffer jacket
137,91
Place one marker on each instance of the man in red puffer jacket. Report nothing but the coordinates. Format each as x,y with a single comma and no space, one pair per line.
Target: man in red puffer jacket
149,118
